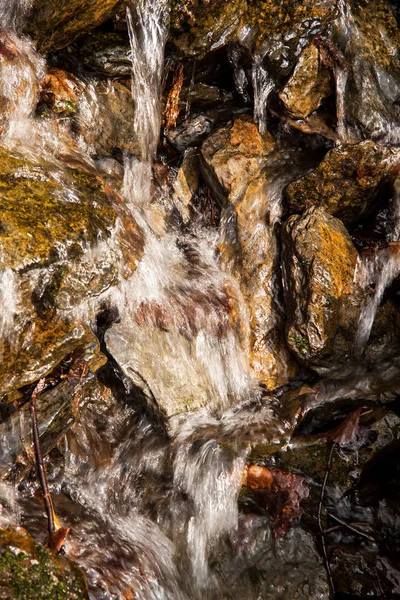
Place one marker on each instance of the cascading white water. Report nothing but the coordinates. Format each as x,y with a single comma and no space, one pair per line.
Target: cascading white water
263,85
13,13
378,272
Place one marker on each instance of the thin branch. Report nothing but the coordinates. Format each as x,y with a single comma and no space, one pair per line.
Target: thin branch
349,526
41,471
321,529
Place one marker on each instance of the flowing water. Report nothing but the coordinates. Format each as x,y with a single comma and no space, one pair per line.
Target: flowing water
149,489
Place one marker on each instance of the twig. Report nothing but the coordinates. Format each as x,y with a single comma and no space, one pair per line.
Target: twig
41,471
349,526
321,529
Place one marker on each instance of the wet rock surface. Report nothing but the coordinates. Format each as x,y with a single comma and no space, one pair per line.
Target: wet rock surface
32,572
347,182
323,303
54,25
200,273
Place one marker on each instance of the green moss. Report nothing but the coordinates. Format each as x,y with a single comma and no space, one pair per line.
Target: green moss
301,344
31,572
39,213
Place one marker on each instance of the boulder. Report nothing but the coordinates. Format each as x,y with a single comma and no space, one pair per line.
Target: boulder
104,120
54,25
347,182
309,84
234,159
368,37
277,32
32,572
323,303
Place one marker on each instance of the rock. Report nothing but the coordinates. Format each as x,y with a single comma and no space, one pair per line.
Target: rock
235,155
192,131
56,252
308,85
233,160
54,25
347,182
196,31
57,409
108,53
59,93
287,567
186,184
369,40
277,32
104,119
78,212
322,301
32,572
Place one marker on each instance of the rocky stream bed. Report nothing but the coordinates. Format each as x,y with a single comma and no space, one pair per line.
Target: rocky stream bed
200,294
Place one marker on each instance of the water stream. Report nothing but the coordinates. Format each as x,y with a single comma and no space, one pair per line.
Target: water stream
150,476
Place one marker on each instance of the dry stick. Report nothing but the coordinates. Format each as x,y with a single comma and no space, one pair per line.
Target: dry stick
321,529
39,459
349,526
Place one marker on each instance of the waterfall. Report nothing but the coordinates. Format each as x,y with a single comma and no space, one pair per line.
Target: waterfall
263,85
377,272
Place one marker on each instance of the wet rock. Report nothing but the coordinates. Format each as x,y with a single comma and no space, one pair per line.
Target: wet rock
38,349
288,567
32,572
235,155
233,160
198,27
186,184
308,454
192,131
57,409
277,32
368,37
104,119
78,212
347,181
59,93
308,85
323,303
54,25
108,53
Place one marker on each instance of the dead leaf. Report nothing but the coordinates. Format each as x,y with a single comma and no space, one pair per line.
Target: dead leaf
280,492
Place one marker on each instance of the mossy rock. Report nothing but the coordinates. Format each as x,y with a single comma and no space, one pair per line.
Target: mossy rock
323,303
371,49
55,24
347,182
29,571
279,30
43,210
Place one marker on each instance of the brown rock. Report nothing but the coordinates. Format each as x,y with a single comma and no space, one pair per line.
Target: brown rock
55,24
104,120
347,182
323,303
234,155
308,85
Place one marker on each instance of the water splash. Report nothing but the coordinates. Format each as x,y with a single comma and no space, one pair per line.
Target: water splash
13,13
377,273
263,85
148,31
